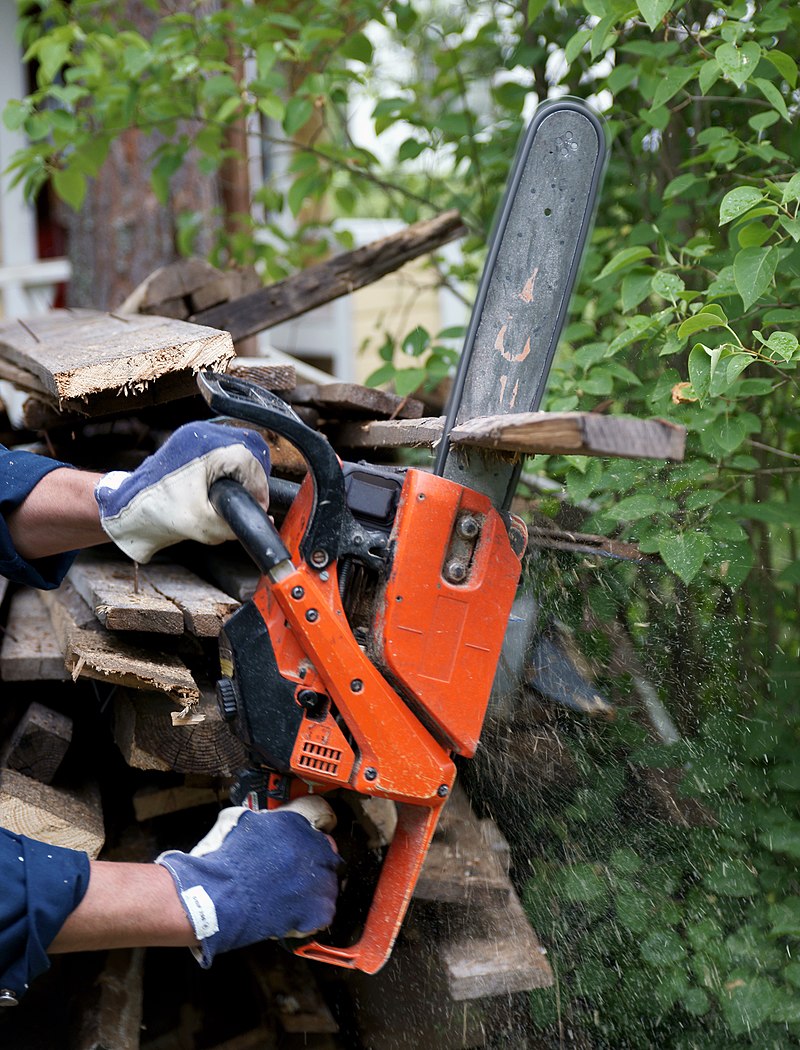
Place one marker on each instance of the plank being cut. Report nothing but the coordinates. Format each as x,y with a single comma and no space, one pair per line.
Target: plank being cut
530,433
204,608
77,355
53,815
29,651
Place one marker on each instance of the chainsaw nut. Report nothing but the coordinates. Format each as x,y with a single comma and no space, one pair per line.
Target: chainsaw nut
468,527
455,571
297,592
312,615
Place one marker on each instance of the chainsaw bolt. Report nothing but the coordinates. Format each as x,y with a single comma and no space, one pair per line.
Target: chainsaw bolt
443,791
468,527
319,558
356,685
455,571
312,615
297,592
370,773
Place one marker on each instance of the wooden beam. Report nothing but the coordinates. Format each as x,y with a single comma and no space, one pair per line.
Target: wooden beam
341,275
30,651
270,376
48,814
531,434
145,735
38,743
150,802
80,354
348,400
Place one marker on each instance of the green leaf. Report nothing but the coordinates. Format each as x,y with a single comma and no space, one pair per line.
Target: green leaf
738,63
785,64
791,191
737,202
709,75
70,185
784,344
746,1003
623,260
640,506
416,341
696,1002
731,878
635,287
662,948
357,46
535,8
684,553
773,96
785,838
700,323
298,112
753,271
680,185
670,83
667,285
785,917
730,433
580,882
653,11
791,574
408,380
575,44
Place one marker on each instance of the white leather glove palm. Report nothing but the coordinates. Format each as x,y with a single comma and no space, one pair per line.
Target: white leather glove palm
165,499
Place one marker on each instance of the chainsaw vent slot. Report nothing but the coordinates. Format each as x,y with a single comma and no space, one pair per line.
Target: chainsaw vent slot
319,758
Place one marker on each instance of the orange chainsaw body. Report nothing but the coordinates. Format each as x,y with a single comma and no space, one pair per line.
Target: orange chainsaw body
418,694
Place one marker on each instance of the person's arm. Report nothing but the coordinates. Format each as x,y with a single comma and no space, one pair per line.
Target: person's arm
60,514
126,906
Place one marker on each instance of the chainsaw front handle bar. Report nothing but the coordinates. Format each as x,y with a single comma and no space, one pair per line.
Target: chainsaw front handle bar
250,523
242,400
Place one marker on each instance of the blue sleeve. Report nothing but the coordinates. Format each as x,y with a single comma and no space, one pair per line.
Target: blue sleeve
41,886
19,473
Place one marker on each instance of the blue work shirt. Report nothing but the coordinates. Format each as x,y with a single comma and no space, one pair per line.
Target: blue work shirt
19,473
40,885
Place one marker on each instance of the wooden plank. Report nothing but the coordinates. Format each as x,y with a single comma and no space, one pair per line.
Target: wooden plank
96,653
29,650
53,815
76,356
150,802
109,1009
460,866
497,954
530,433
204,608
390,433
122,599
271,376
145,735
38,743
341,275
345,400
172,282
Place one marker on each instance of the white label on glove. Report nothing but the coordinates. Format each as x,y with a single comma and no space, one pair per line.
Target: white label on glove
202,913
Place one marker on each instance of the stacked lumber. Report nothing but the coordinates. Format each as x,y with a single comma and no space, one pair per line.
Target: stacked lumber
123,752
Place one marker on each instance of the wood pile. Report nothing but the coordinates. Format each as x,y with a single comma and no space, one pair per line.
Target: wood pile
110,738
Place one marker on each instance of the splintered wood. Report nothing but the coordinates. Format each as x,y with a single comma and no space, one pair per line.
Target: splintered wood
75,356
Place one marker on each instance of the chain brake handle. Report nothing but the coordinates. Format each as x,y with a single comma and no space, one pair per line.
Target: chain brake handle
244,400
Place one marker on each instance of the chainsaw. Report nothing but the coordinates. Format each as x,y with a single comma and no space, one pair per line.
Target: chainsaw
365,659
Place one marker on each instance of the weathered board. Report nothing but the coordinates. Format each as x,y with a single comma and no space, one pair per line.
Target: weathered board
76,355
30,651
53,815
341,275
349,400
122,598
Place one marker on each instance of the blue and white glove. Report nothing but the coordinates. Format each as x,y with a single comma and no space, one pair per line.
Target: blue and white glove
165,499
258,875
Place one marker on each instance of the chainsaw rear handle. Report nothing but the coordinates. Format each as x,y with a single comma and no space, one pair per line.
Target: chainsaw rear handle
250,523
240,399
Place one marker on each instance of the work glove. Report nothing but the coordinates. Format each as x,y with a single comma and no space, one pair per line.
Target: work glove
258,875
166,498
